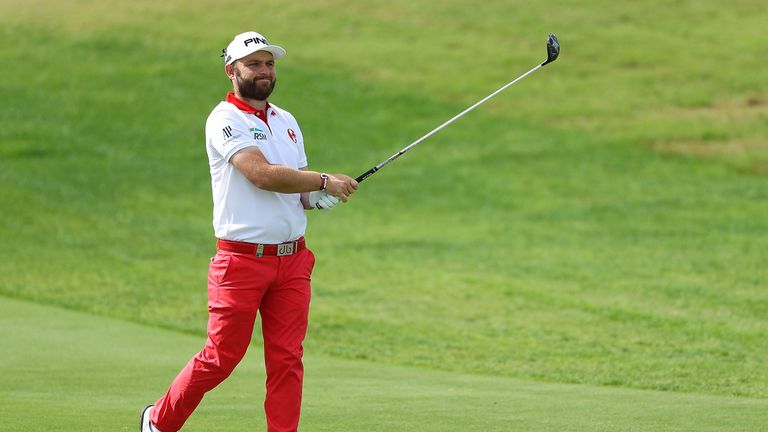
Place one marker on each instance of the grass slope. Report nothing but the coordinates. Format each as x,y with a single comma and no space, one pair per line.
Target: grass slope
106,370
602,222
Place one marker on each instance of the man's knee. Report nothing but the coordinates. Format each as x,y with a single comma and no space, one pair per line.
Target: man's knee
221,360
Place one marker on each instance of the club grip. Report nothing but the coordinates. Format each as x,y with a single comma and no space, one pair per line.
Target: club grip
366,174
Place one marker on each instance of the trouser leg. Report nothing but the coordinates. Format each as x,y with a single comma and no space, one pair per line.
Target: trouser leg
232,306
284,314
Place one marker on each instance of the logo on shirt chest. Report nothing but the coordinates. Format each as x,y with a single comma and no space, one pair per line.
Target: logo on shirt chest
258,134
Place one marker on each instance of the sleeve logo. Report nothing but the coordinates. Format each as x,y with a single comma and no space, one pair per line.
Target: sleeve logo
227,131
292,135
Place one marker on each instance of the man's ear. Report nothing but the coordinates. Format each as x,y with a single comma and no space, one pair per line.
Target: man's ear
230,70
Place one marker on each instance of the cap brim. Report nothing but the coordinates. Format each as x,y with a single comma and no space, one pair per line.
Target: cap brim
276,51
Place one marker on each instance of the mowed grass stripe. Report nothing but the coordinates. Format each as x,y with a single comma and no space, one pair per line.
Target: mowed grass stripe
65,370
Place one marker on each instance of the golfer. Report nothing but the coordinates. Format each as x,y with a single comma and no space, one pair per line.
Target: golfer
261,188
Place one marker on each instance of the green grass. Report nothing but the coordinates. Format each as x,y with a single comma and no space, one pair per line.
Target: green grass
106,370
602,222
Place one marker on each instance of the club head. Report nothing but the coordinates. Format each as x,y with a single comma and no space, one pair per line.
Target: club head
553,49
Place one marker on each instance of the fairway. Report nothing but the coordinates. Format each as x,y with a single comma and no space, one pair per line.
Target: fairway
106,370
588,250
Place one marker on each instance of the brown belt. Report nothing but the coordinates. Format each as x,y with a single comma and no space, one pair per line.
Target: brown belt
259,249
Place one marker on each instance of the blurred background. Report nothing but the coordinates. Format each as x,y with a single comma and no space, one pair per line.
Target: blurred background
601,222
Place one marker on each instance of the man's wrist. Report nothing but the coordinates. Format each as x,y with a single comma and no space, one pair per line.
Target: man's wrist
324,181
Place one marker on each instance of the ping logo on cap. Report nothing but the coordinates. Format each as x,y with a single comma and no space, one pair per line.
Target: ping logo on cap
256,40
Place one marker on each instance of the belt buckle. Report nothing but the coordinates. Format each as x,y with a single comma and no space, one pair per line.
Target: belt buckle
284,249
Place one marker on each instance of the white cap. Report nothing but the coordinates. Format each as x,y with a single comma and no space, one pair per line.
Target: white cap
248,43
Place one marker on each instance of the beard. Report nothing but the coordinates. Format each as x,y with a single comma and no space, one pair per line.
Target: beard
253,89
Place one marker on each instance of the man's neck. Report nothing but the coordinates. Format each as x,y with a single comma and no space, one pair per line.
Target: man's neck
258,104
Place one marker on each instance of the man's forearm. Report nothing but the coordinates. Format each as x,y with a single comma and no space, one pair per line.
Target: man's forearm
273,177
283,179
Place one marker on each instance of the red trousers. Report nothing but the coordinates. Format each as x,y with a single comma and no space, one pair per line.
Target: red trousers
239,285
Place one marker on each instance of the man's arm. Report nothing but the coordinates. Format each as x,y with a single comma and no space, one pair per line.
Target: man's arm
305,195
251,162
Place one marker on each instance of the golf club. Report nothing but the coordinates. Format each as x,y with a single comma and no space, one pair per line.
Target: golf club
553,50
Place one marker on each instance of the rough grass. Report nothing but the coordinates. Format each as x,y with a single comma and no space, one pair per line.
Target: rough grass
568,232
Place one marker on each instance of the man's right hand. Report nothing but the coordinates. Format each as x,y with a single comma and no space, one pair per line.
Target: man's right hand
341,186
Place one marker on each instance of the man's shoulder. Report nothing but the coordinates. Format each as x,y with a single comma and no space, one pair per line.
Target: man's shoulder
224,107
223,111
279,111
276,110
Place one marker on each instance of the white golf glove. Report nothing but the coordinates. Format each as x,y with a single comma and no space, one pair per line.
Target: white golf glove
322,201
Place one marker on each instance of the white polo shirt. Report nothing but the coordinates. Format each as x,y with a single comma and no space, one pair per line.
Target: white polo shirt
241,211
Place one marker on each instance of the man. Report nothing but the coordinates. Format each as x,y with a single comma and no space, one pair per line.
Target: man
261,187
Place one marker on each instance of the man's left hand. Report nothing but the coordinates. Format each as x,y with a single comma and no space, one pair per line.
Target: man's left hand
322,201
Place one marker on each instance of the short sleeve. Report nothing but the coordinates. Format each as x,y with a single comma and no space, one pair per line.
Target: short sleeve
227,133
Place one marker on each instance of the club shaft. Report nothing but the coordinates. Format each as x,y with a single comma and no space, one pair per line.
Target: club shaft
371,171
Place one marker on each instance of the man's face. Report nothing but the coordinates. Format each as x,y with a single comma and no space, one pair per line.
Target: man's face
254,75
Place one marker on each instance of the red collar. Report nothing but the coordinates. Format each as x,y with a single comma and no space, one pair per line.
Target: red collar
246,107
